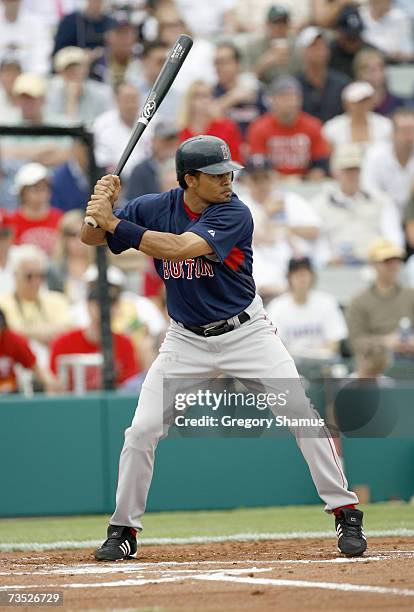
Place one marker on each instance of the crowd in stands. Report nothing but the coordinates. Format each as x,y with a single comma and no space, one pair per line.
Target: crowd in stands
315,98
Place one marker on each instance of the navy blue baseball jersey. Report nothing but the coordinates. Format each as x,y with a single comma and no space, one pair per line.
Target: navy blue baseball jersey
202,289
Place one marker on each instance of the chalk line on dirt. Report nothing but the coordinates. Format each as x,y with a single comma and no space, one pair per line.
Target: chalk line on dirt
126,567
239,537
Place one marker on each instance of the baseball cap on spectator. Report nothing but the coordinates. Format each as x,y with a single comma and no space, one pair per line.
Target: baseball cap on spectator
29,175
346,156
113,274
30,85
5,225
357,91
120,19
277,13
165,130
383,250
298,263
258,163
283,84
349,22
308,35
68,56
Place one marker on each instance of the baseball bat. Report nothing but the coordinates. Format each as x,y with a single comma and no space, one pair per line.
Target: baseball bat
157,94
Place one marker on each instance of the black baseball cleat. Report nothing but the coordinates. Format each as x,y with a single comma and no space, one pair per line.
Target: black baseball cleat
120,544
351,538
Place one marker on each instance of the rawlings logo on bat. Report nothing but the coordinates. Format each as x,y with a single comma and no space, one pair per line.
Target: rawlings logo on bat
149,109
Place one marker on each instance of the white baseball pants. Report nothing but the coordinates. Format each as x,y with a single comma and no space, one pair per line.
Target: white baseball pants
251,351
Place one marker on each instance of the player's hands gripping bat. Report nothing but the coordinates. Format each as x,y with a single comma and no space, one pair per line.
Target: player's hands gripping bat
157,94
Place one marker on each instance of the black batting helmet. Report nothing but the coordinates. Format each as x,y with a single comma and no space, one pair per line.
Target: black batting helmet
207,154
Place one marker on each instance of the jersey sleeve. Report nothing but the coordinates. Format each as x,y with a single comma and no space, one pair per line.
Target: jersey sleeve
223,227
21,350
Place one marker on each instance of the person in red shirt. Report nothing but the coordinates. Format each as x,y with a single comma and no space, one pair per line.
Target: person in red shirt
291,138
35,221
88,341
15,349
200,116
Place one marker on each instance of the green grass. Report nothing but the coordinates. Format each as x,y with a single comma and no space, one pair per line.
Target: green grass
209,523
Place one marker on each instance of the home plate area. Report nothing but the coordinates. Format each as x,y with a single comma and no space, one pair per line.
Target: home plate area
229,576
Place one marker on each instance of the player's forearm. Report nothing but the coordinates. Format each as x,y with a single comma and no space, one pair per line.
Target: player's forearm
163,245
92,236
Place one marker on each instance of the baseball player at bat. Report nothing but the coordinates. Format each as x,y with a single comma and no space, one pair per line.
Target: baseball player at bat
200,236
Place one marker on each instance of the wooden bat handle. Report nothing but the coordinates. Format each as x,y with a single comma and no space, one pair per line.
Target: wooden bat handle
91,222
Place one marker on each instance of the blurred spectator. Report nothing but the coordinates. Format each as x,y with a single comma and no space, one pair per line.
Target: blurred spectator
285,225
147,176
199,116
144,73
71,258
310,323
32,310
113,129
358,124
10,69
322,13
238,95
84,28
6,239
71,93
325,13
352,218
88,341
14,349
120,51
273,54
376,313
321,86
29,91
35,221
347,41
208,19
70,181
388,28
170,26
369,66
371,359
135,316
51,11
389,166
290,137
23,33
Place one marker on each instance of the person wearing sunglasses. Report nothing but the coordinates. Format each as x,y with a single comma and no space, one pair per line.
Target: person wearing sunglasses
31,309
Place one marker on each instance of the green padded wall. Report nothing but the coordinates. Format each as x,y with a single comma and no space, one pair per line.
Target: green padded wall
60,456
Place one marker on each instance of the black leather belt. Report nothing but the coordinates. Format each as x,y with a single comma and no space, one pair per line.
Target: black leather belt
217,329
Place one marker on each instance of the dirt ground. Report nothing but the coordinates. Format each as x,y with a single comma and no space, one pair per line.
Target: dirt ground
226,577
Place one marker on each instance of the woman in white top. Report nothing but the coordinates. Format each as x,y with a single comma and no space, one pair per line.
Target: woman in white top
358,124
310,323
